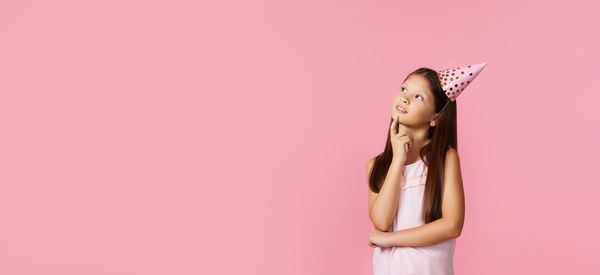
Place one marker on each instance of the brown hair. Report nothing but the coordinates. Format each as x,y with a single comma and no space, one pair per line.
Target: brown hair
433,154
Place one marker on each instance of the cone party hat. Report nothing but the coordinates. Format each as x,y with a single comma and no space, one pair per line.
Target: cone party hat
455,80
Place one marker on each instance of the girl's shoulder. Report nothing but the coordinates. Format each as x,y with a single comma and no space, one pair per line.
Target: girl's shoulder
452,157
451,150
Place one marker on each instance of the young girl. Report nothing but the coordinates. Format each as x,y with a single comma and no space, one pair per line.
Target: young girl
416,199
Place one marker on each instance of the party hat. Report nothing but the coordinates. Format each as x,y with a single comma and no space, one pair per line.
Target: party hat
455,80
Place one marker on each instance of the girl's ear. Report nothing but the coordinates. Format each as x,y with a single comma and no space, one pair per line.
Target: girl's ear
433,122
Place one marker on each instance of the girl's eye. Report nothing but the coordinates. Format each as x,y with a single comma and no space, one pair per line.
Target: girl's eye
403,89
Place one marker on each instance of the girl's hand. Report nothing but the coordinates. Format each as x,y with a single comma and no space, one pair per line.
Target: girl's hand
378,238
401,140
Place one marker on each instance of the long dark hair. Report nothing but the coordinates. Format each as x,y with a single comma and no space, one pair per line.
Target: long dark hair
442,136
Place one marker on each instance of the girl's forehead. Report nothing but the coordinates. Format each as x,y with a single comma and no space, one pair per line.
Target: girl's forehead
416,84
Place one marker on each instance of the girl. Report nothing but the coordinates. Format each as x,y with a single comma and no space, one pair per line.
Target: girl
416,199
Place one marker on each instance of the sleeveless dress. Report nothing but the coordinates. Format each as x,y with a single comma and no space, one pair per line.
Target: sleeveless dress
422,260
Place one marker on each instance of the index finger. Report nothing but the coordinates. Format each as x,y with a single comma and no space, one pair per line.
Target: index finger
393,126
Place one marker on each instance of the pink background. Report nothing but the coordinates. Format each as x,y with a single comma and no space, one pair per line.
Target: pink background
171,137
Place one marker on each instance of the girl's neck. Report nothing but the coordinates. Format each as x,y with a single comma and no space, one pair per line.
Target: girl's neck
413,155
420,140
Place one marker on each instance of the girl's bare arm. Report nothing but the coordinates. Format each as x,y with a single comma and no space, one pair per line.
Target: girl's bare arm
383,205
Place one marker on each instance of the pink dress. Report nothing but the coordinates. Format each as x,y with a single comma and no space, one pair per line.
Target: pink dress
422,260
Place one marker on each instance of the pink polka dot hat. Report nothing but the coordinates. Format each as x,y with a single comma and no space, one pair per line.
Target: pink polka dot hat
455,80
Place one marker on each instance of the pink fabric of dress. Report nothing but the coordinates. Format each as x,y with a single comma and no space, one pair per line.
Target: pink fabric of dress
422,260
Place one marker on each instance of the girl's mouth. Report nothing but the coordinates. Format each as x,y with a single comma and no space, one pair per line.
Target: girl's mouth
401,110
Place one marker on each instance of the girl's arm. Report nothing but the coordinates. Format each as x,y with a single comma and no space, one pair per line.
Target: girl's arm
453,212
383,205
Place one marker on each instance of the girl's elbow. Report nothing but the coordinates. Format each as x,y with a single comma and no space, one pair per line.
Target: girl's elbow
456,231
379,223
382,226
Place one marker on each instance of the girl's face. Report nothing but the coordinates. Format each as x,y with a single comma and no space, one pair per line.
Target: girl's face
416,99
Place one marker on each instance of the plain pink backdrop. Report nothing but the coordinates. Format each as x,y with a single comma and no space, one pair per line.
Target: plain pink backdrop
178,137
